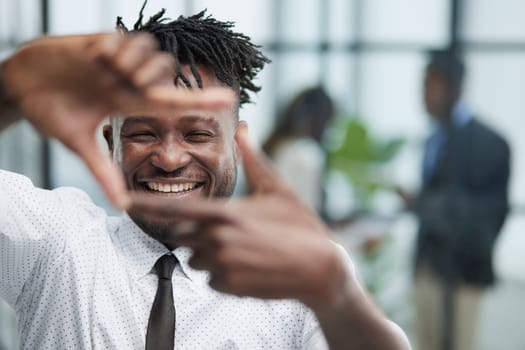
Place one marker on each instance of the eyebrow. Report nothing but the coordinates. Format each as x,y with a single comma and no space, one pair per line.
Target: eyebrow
197,119
184,119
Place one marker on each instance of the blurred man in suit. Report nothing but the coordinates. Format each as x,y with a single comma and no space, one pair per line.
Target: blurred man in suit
461,209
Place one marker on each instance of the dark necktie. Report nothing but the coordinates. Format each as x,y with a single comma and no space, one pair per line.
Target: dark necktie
161,325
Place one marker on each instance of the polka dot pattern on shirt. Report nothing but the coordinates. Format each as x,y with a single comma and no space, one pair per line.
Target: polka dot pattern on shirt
79,279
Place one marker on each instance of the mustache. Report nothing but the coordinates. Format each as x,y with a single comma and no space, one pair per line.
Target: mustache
180,172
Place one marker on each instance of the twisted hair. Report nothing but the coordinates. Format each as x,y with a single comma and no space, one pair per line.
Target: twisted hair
203,40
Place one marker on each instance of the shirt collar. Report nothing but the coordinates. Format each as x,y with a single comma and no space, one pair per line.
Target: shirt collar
460,114
141,252
183,255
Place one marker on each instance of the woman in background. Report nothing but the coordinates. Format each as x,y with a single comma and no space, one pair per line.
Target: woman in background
296,144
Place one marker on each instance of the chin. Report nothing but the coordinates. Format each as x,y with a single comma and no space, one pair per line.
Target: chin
157,228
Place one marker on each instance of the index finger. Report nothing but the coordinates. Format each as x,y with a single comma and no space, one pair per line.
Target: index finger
168,98
259,171
103,168
196,210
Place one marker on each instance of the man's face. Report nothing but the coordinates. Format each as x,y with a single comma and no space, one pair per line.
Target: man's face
435,94
188,154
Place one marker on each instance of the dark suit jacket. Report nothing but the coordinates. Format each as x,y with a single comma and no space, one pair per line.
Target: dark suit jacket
463,205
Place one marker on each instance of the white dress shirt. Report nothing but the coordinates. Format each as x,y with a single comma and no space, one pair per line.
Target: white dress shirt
79,279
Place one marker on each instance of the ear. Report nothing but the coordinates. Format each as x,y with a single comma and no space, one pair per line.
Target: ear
242,126
107,131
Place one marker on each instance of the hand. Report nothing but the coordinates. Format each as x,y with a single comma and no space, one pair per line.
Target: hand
65,86
266,245
406,197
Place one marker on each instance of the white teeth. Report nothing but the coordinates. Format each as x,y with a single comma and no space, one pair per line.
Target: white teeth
173,188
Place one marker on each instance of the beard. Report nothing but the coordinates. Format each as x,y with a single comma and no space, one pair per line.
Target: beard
161,232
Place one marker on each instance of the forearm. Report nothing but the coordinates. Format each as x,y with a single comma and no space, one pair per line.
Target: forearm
9,112
355,323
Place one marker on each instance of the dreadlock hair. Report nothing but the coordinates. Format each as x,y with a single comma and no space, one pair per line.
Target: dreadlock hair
203,40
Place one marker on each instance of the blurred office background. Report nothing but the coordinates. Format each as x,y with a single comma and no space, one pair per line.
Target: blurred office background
370,56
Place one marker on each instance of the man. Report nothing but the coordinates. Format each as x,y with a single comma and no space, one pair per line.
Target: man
461,209
79,279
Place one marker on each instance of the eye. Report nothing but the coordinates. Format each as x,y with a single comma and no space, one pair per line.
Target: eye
141,136
199,136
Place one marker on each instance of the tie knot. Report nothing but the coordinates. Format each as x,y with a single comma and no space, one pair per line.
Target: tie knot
165,265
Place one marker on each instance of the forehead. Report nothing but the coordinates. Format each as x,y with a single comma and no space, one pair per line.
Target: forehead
185,115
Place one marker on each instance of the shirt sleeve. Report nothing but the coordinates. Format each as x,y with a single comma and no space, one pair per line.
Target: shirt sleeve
313,337
33,224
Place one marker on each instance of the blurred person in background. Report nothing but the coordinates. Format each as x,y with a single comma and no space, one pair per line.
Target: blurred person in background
295,146
461,209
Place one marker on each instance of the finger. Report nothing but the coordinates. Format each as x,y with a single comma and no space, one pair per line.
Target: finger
193,210
258,284
211,234
119,56
103,46
172,97
259,171
226,256
167,99
201,260
184,228
156,69
101,55
134,51
104,170
217,249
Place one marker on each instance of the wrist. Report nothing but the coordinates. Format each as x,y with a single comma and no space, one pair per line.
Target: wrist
341,287
347,293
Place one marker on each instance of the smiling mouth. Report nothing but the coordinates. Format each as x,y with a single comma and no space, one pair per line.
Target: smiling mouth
172,188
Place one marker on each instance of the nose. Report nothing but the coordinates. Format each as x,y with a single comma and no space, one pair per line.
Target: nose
170,156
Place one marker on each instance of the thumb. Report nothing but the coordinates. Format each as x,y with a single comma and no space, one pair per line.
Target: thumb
105,171
260,174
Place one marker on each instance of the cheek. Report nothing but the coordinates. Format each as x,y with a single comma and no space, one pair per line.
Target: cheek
434,97
219,159
225,174
216,157
228,162
132,155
